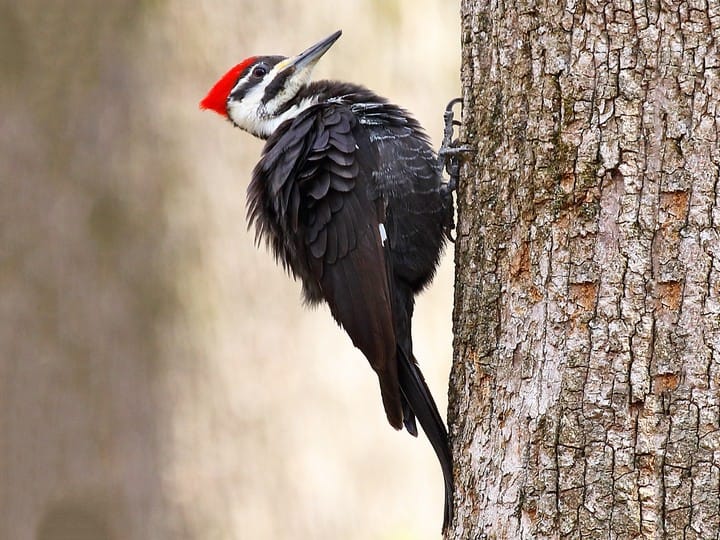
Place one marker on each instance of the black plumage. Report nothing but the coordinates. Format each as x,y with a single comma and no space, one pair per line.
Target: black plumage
350,199
330,181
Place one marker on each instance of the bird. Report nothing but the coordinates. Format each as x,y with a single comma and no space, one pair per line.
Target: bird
349,198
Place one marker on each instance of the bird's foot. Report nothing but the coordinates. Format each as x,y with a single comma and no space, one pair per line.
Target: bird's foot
450,155
450,158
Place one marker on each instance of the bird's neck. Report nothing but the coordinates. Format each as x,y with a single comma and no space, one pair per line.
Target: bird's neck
264,127
312,94
328,91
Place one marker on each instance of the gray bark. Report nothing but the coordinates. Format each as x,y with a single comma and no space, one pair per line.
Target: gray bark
585,393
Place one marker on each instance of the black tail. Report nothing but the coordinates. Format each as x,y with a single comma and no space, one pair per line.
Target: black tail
418,397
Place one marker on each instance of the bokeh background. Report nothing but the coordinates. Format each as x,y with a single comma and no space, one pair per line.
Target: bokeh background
159,378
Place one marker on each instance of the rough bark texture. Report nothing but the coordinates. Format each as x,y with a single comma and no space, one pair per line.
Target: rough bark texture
585,397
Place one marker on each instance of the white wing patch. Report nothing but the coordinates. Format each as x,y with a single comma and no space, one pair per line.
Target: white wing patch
383,234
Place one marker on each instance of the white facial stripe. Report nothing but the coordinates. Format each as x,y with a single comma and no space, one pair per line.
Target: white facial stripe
291,87
259,118
248,113
244,115
271,124
242,81
262,85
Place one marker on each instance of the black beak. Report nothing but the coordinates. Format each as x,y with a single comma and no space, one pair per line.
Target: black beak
311,55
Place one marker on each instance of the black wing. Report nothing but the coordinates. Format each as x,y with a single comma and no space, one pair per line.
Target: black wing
418,208
363,234
312,198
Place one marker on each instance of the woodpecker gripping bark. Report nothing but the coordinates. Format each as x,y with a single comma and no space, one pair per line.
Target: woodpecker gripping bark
349,196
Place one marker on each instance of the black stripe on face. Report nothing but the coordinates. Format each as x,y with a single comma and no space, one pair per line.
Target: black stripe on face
277,84
239,93
263,66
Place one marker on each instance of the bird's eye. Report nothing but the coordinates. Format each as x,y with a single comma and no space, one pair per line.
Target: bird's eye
259,72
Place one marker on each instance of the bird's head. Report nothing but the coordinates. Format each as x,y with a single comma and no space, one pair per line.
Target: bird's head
260,93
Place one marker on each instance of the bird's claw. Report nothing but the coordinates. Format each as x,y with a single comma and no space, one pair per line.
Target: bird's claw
450,157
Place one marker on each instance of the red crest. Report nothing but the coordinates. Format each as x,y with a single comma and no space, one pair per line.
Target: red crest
216,99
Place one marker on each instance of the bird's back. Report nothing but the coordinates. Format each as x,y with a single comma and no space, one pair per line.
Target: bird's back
405,176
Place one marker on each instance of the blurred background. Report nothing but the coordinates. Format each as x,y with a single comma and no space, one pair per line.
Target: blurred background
159,378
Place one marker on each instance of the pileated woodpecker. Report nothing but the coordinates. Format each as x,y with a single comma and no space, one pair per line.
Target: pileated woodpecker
349,197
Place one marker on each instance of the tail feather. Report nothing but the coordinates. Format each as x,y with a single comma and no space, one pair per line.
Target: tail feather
409,418
417,396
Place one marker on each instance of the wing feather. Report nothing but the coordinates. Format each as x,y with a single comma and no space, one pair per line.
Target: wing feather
312,197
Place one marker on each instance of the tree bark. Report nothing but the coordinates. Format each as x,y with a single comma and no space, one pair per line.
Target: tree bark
585,392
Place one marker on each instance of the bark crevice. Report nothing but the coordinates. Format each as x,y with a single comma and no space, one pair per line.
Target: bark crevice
587,272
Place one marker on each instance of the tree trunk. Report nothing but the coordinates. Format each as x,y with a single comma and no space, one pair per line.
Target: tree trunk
585,393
